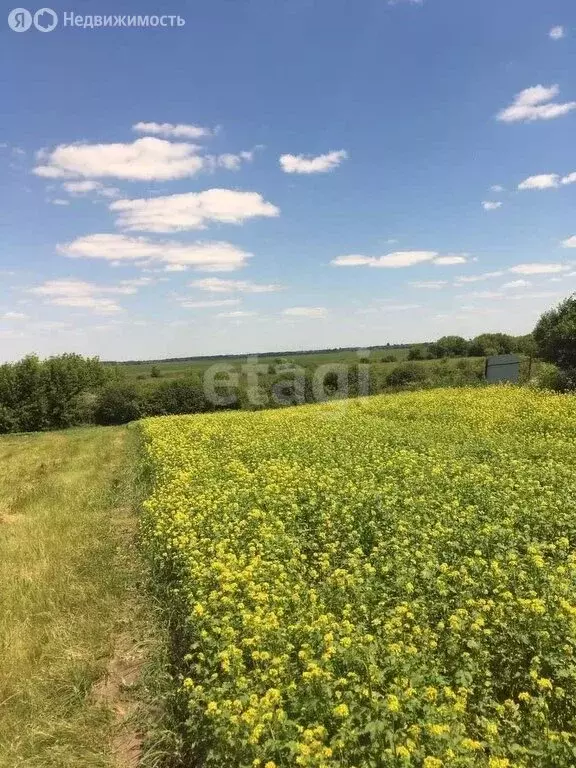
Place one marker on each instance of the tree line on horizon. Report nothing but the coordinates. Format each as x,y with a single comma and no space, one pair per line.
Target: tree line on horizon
484,345
69,390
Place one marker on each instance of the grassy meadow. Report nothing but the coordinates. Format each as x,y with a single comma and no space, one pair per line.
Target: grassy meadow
146,375
73,624
174,369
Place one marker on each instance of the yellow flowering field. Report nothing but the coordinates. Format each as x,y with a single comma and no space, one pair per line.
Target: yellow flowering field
389,581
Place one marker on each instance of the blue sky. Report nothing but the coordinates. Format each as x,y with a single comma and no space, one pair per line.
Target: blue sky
286,174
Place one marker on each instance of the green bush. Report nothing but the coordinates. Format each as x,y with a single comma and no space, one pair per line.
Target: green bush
554,379
555,336
175,397
46,394
416,353
487,344
8,421
117,404
450,346
405,373
84,407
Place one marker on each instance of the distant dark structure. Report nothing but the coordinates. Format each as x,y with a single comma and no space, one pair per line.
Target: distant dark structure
502,368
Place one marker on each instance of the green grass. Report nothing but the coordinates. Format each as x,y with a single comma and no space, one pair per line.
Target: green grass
175,370
73,626
438,372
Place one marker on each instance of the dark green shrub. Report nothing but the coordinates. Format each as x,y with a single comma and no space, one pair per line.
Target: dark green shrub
117,404
552,378
45,394
8,421
487,344
405,373
175,397
416,353
555,335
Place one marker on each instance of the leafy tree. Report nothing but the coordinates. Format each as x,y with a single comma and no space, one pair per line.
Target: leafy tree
47,394
331,380
436,351
451,346
555,335
117,404
360,379
525,345
174,397
8,394
115,372
30,404
8,421
64,379
491,344
416,353
155,372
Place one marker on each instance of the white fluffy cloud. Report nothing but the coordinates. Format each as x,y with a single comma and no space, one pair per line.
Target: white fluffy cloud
353,260
535,104
79,294
514,296
398,259
14,316
204,256
145,159
209,304
81,187
309,164
547,181
538,269
491,205
556,33
570,242
394,260
478,278
516,284
77,188
191,210
540,181
447,261
217,285
382,309
429,284
230,161
497,188
238,313
180,131
305,312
